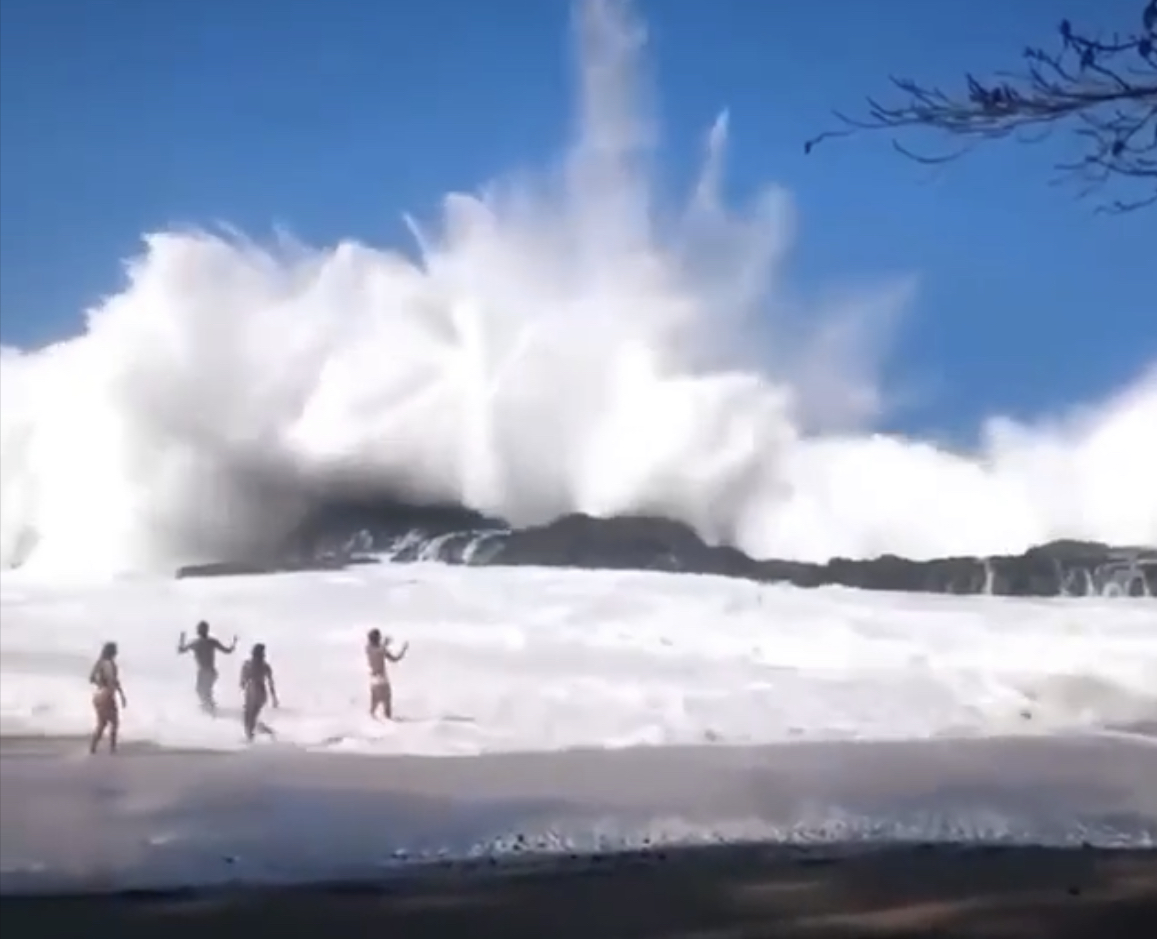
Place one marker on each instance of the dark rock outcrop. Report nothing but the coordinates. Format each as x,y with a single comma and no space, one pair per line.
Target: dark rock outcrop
338,536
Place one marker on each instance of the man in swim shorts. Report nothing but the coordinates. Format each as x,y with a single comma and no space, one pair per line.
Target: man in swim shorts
377,655
205,648
256,688
106,682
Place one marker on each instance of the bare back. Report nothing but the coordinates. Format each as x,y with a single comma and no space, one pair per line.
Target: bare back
255,677
104,676
376,658
204,649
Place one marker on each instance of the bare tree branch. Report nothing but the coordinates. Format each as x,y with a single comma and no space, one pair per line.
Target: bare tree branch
1103,89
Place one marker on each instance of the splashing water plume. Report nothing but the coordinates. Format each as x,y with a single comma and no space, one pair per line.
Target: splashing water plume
558,345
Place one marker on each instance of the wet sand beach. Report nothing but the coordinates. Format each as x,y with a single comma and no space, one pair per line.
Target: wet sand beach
728,891
515,845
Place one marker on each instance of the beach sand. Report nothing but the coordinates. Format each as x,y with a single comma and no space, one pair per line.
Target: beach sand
510,845
690,892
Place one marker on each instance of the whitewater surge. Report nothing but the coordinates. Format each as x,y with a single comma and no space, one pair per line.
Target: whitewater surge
557,344
517,660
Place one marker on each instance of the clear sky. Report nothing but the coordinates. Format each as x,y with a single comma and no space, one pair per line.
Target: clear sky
331,118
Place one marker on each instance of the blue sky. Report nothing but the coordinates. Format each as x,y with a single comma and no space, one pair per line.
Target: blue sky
123,116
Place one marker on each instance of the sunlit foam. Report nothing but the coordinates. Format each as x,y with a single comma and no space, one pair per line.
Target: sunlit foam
523,659
558,343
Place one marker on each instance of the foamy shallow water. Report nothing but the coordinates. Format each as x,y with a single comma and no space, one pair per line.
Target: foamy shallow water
506,660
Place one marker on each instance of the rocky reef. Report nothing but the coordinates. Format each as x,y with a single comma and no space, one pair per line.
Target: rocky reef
337,536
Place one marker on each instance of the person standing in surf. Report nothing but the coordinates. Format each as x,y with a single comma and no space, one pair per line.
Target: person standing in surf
377,655
108,697
205,648
257,687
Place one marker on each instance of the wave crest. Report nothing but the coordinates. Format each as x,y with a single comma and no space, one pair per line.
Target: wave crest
556,345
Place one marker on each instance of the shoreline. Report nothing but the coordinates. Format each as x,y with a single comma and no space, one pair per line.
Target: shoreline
1139,733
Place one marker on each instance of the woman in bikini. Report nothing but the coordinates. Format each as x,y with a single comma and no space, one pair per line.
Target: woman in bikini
105,679
377,655
256,688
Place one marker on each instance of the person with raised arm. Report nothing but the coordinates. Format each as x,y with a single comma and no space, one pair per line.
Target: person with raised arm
378,653
257,687
108,697
205,648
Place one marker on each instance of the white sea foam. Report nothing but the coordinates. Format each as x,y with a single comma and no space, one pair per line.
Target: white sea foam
506,660
558,343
